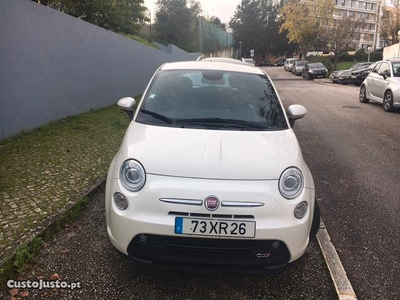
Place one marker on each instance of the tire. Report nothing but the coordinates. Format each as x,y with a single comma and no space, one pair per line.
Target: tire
310,77
315,222
388,102
363,95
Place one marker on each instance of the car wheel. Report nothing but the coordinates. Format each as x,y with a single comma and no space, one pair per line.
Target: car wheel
363,94
310,77
388,102
315,222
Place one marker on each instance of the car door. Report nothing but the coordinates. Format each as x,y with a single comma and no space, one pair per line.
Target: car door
371,79
380,82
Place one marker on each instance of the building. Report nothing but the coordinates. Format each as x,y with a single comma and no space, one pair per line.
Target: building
369,11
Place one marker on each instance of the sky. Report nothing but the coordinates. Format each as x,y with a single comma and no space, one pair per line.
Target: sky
223,9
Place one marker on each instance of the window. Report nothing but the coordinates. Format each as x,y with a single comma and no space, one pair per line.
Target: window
375,70
384,69
212,99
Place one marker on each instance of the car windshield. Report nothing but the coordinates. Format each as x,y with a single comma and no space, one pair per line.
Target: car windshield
249,61
316,65
396,69
212,100
301,63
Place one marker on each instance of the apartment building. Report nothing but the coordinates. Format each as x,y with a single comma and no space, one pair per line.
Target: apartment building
367,10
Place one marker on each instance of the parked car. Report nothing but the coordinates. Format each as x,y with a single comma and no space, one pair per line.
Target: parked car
359,75
222,59
265,63
383,84
279,63
298,66
288,64
345,77
248,62
182,190
336,74
314,70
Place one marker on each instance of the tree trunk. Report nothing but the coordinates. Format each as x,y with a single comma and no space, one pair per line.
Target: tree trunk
335,61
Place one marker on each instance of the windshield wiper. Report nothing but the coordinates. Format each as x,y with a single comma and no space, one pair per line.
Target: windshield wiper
242,124
156,116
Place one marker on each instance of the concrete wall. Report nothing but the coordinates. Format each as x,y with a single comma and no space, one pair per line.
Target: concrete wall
53,65
391,51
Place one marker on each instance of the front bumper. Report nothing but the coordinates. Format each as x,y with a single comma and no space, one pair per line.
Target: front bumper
155,219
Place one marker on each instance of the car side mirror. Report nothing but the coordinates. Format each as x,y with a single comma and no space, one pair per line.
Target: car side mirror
384,75
127,104
295,112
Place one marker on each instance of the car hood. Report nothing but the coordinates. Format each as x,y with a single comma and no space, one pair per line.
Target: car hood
358,71
213,154
318,69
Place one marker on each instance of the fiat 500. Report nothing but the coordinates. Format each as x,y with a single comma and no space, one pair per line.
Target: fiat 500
210,172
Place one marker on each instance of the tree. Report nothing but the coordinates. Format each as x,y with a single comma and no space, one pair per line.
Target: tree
121,16
304,21
256,25
217,22
176,21
341,33
390,23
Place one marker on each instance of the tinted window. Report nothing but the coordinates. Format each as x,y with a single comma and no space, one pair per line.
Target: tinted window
182,96
316,65
396,69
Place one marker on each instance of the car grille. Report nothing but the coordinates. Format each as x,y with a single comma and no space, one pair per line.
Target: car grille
216,216
205,251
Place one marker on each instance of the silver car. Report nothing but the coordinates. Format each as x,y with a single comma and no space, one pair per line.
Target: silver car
383,84
288,64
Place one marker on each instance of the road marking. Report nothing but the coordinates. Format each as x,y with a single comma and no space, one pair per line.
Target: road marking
338,274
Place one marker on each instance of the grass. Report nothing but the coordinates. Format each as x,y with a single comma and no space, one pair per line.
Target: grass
141,40
16,265
345,64
43,169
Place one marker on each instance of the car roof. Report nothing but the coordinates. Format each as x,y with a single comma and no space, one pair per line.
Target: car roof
222,59
205,65
394,59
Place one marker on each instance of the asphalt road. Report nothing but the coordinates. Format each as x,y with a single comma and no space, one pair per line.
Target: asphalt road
353,151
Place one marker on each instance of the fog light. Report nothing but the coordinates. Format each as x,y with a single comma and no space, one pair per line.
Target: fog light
120,201
276,244
143,238
300,210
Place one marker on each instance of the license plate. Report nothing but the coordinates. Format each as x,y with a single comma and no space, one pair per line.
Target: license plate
211,227
353,76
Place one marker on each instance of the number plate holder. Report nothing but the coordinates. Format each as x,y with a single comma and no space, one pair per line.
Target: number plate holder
215,227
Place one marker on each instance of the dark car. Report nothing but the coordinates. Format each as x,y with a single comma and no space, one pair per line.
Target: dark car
314,70
335,75
345,77
265,63
279,63
358,76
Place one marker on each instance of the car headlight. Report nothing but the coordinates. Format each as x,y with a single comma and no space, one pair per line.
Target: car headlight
311,71
132,175
326,70
291,183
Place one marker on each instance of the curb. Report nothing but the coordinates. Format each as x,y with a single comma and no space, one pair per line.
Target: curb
342,284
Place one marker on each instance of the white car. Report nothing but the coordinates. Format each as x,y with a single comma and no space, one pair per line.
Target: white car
210,172
383,84
289,64
248,62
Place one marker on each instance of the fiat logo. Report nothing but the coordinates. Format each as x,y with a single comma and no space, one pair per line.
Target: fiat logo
211,203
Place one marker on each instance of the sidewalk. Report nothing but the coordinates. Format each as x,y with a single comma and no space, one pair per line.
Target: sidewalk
42,170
